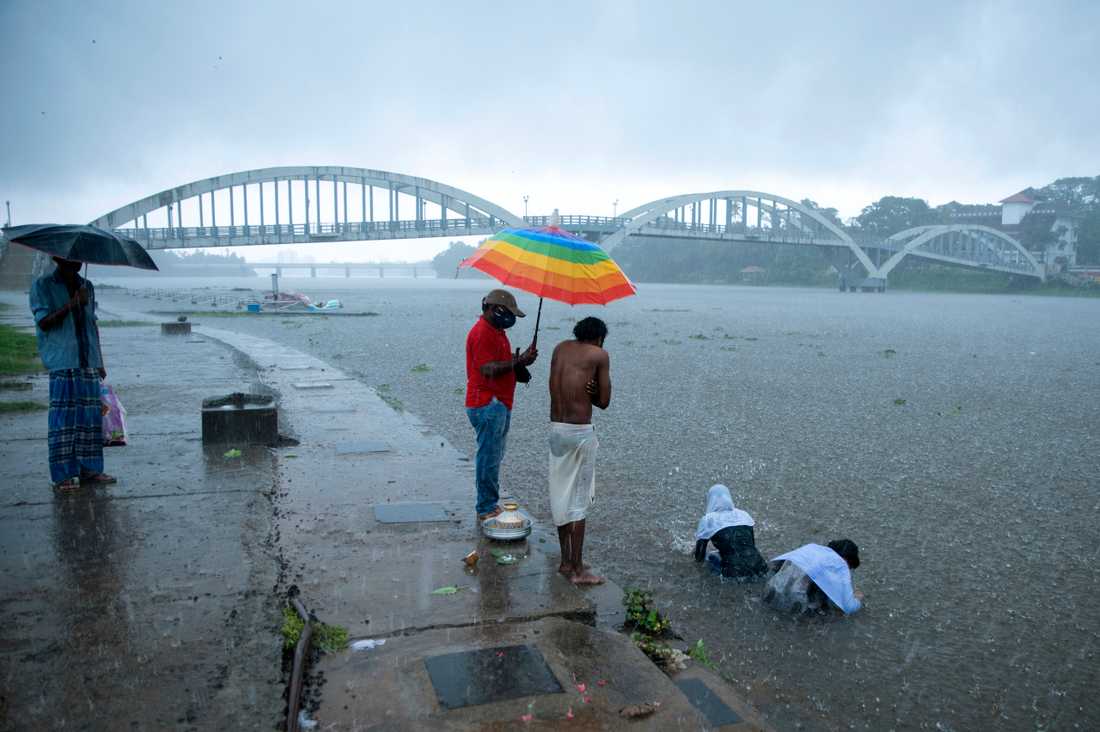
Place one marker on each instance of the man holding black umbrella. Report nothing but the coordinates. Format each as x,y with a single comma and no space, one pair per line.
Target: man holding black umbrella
491,373
63,304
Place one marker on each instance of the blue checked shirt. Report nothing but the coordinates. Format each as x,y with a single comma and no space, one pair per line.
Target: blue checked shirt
66,346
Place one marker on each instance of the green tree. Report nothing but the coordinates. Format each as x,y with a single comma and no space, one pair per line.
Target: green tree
446,262
891,214
1088,238
830,213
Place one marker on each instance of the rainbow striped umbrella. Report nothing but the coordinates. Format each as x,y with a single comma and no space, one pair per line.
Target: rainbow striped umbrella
550,262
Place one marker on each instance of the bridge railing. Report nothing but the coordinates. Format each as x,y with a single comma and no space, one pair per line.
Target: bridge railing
775,234
343,230
579,222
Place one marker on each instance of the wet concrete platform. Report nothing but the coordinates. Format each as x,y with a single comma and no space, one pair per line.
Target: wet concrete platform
395,686
147,604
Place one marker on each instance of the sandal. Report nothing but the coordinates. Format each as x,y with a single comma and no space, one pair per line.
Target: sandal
99,479
69,485
492,514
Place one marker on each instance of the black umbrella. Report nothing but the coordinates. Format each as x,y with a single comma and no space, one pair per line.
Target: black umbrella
80,243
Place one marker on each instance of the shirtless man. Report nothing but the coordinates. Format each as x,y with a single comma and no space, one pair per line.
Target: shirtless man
579,378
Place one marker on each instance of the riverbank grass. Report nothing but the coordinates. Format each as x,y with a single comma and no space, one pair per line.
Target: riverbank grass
22,407
18,352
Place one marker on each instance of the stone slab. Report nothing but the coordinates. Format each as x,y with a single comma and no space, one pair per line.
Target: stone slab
409,513
392,687
361,447
488,675
717,694
707,702
306,385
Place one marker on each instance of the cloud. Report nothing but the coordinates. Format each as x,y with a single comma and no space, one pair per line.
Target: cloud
574,104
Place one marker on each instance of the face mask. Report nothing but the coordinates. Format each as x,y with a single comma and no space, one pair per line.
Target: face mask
502,317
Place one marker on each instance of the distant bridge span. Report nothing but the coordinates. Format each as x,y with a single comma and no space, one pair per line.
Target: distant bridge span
311,204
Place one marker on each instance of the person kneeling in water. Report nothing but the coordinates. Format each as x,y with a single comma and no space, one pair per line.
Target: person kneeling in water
815,579
730,530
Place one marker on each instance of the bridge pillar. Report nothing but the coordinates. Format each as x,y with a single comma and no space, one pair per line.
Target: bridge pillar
381,272
347,272
312,271
415,275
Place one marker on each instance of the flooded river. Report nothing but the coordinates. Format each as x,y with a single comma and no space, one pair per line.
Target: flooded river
955,438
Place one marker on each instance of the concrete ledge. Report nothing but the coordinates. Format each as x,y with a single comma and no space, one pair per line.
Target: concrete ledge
389,686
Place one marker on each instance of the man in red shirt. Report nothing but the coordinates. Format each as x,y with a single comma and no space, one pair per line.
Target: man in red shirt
491,373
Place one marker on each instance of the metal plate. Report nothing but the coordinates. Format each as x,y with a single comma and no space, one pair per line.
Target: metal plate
312,385
409,513
490,675
707,702
361,447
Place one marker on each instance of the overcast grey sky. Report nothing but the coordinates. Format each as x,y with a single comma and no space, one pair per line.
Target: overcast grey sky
573,103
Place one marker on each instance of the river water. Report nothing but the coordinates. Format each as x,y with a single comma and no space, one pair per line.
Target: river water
955,438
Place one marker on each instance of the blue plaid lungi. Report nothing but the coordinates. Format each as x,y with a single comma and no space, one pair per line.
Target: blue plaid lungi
76,424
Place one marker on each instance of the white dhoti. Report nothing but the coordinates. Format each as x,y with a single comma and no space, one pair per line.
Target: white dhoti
572,471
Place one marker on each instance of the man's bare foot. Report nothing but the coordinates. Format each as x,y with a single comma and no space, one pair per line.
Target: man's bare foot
566,569
585,577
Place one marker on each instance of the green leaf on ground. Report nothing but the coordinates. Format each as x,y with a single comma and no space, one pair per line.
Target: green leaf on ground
232,453
901,402
421,368
448,590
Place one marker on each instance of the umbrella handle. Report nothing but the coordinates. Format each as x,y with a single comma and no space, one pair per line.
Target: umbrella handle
538,317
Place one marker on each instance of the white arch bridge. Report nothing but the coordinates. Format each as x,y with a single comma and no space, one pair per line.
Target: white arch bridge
299,205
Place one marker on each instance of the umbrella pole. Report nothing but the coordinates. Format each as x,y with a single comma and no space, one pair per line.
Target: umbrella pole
538,317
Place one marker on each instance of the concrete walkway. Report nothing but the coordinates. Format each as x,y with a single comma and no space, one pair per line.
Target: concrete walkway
513,640
145,605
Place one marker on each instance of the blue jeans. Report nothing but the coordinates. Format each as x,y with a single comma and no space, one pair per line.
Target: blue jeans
491,423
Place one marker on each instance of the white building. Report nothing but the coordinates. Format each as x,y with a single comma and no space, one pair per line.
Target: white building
1015,208
1059,251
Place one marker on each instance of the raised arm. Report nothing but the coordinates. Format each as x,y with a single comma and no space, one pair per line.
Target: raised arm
55,318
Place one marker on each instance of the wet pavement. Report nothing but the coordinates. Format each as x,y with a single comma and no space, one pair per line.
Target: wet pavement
155,603
147,604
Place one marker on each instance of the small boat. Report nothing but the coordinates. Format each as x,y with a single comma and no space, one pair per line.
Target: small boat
297,302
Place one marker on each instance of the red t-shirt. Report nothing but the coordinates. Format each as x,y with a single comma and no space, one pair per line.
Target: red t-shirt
484,343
